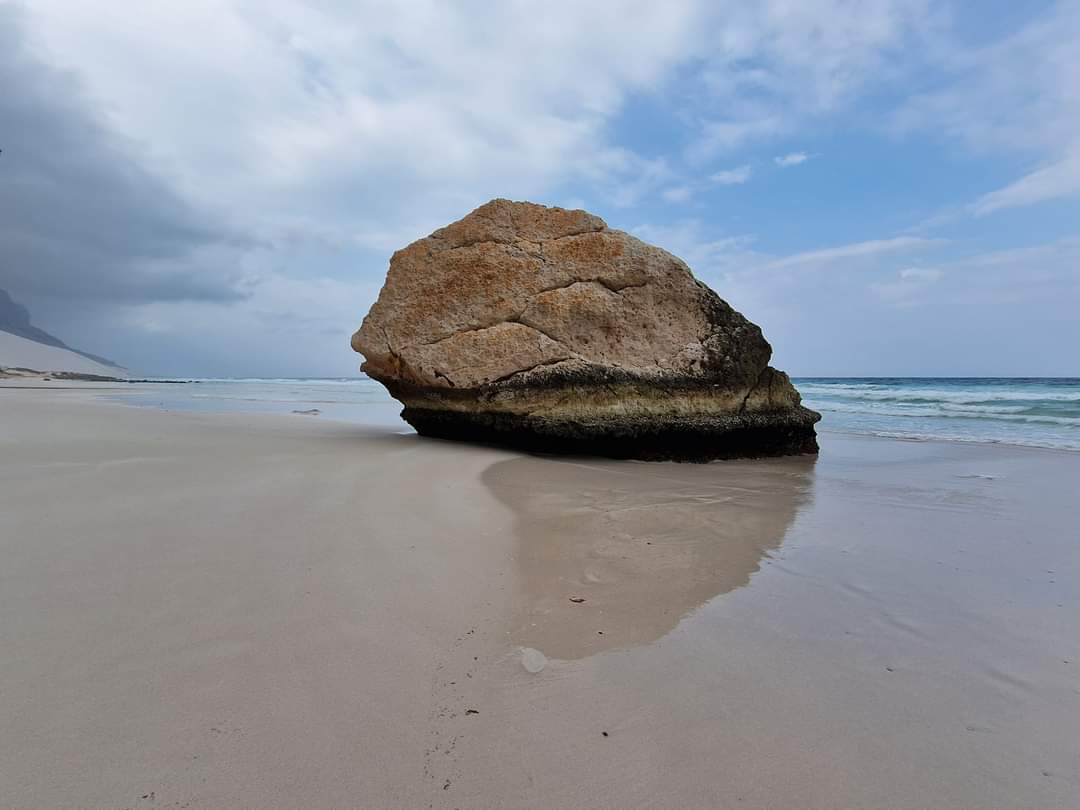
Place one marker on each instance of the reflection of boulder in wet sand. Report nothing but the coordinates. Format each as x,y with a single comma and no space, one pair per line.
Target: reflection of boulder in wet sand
642,545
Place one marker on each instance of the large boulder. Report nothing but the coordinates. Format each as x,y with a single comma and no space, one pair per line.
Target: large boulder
544,329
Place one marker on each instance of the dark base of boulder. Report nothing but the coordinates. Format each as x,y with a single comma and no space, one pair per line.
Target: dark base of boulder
693,440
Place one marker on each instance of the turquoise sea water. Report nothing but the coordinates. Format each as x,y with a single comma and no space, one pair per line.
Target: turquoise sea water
1037,412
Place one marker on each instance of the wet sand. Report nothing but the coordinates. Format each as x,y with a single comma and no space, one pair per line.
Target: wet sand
202,610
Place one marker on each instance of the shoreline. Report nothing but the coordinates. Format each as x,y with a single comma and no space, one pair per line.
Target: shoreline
94,386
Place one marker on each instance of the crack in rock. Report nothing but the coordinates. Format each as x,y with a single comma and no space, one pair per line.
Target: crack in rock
517,318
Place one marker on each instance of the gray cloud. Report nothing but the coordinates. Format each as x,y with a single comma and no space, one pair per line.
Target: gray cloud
80,216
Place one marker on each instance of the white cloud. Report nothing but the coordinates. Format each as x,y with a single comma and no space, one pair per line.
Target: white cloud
863,309
922,274
791,159
909,284
777,67
707,250
623,177
1019,95
727,134
359,112
733,177
1019,92
677,194
856,250
1060,179
348,119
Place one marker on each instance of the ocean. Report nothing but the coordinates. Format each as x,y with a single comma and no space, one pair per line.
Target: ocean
1034,412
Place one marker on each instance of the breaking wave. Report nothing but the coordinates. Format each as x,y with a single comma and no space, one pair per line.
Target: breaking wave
1039,412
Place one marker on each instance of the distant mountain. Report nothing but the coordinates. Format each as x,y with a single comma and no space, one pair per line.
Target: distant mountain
15,319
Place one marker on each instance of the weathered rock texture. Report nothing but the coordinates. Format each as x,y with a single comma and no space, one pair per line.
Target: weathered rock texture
544,329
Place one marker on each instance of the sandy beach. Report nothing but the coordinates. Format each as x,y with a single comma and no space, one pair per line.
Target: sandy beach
260,611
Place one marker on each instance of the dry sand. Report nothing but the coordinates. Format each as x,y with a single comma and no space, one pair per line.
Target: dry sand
211,611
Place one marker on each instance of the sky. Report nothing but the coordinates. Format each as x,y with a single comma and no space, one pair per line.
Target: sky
215,187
